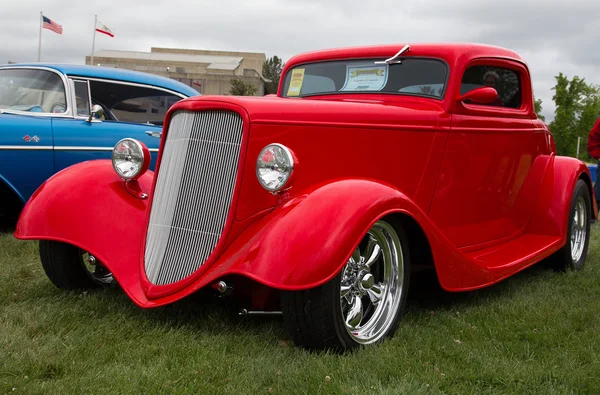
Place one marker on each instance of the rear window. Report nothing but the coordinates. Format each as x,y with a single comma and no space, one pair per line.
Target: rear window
414,76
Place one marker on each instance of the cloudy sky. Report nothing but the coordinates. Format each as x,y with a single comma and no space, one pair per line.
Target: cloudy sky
552,35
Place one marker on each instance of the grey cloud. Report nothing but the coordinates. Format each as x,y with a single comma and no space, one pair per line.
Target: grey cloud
552,35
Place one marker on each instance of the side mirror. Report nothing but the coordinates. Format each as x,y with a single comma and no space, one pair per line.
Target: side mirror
483,95
96,111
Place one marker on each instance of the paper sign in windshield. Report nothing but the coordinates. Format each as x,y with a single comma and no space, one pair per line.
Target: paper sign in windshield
296,82
365,78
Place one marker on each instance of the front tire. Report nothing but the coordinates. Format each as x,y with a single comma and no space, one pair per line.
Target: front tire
362,304
69,267
573,254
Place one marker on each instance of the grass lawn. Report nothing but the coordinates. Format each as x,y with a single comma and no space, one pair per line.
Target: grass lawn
537,332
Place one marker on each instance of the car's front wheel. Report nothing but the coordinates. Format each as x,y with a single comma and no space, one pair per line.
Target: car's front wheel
362,304
69,267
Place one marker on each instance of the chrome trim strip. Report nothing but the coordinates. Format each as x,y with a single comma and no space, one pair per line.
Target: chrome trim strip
153,134
73,148
36,114
26,147
69,148
66,86
131,84
60,148
194,191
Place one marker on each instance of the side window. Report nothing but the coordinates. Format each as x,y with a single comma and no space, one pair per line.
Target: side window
82,98
32,90
132,103
145,109
504,80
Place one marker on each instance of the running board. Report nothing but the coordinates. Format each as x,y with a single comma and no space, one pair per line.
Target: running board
514,255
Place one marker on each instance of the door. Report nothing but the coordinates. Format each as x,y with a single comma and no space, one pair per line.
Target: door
129,110
493,164
29,98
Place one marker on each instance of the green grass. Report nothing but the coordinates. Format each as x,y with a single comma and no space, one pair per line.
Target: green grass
537,332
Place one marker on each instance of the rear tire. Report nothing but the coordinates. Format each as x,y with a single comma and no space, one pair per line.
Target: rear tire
573,254
361,305
65,266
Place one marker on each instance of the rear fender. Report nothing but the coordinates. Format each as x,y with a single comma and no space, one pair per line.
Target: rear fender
87,205
550,215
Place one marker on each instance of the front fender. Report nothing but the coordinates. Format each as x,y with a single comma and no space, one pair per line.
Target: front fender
87,205
306,241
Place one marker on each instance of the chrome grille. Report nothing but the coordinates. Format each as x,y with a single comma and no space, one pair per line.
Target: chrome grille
193,192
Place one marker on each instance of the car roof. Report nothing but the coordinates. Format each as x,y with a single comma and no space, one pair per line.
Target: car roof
451,52
114,74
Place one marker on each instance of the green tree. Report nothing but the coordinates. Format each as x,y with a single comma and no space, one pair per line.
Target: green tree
271,70
240,88
577,108
538,108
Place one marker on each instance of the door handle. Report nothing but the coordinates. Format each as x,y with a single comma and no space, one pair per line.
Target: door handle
153,134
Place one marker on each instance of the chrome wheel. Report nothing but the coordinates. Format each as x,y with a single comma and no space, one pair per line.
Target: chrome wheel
578,229
96,270
371,285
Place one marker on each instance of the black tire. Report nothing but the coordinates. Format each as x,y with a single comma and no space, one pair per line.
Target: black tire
314,318
10,208
65,267
563,259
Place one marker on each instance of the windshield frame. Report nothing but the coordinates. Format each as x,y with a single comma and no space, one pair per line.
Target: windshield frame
66,87
288,72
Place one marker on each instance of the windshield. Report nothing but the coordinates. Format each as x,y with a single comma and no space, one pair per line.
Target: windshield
32,90
414,76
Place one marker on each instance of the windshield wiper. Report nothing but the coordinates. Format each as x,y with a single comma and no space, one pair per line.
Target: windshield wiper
393,59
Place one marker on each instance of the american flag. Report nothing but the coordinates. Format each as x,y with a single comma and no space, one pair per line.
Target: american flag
51,25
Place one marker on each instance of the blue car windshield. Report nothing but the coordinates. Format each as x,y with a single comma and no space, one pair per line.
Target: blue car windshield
32,90
414,76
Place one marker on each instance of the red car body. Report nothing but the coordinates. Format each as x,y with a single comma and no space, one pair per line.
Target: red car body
481,185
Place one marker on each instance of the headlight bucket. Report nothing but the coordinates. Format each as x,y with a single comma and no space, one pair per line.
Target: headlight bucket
130,159
274,167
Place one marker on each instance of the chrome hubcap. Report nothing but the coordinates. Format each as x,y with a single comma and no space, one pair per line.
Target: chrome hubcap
371,286
578,230
97,272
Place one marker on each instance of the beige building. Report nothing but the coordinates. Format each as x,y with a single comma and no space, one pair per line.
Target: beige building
209,72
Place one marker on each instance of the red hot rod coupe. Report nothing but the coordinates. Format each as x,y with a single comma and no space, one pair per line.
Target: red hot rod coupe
318,201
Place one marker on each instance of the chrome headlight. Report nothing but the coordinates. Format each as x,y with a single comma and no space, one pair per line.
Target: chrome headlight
274,167
130,158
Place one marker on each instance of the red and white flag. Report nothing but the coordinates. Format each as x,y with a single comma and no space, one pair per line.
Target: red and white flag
102,28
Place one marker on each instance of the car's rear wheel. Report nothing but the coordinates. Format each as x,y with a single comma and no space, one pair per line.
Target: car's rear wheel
362,304
69,267
573,254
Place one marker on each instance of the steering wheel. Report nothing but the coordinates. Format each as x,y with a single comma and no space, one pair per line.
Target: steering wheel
60,105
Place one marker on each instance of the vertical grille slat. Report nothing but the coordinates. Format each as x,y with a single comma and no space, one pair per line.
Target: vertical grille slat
194,188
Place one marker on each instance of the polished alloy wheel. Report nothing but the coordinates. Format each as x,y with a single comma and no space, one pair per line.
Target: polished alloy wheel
578,229
371,285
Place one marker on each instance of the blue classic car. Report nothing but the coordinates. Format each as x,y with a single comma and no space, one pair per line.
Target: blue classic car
55,115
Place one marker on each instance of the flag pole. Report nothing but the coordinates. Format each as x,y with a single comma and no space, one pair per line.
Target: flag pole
40,40
94,40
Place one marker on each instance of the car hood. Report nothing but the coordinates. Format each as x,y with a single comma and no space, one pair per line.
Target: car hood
334,110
